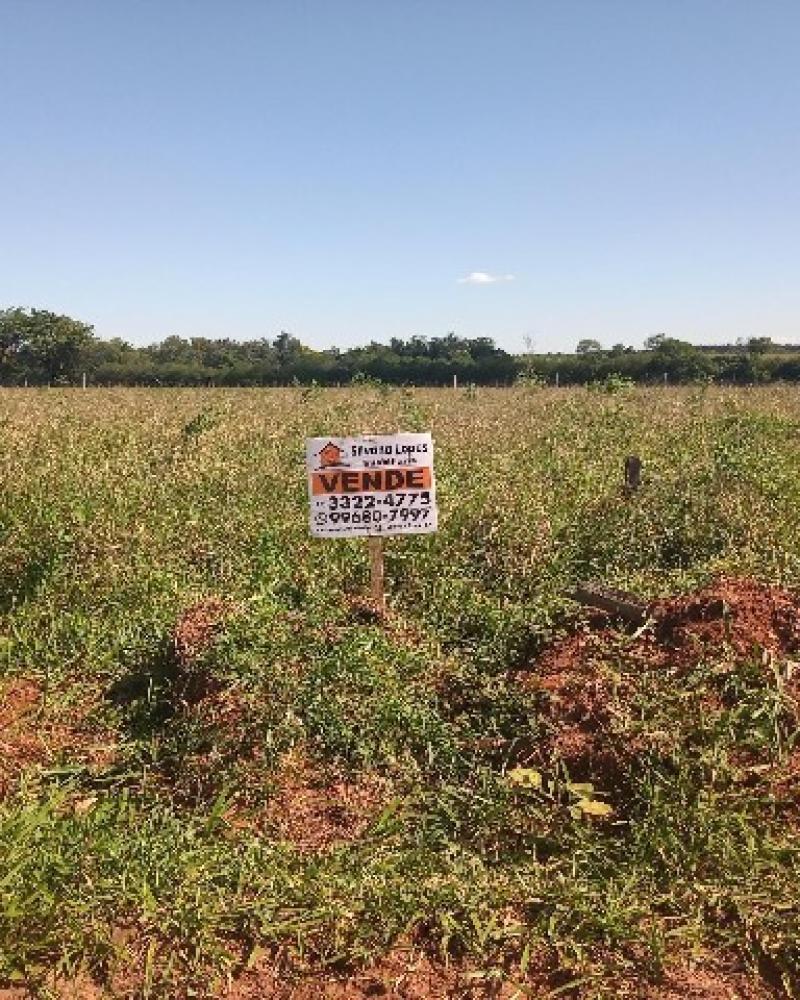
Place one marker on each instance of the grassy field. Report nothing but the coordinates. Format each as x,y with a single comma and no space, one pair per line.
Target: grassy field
219,771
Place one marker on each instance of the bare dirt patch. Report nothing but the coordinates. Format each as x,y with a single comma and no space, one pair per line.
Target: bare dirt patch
406,974
316,808
709,979
400,975
196,629
733,617
20,696
34,736
580,694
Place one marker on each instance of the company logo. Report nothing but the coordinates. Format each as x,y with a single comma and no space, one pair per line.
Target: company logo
331,456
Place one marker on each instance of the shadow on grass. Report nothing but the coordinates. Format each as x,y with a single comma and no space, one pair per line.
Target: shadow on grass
149,694
155,699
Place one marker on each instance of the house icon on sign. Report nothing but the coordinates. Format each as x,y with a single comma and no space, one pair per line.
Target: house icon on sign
330,455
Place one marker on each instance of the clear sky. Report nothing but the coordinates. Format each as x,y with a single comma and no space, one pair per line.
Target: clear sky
334,167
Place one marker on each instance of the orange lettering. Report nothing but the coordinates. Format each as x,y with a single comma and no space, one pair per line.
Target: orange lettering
371,480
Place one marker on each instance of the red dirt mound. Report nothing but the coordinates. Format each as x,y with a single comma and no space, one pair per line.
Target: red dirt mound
194,634
580,689
584,675
741,616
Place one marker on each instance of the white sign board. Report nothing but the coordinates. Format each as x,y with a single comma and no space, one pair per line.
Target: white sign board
371,485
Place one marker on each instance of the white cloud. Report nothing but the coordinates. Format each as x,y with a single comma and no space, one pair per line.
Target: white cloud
482,278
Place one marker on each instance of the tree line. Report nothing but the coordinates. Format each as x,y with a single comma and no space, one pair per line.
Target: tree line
38,347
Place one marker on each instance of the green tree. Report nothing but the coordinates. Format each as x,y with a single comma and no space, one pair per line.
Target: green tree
41,345
655,341
759,345
681,360
13,324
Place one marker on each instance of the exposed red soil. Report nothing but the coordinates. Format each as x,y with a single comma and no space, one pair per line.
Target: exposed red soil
584,675
193,635
316,810
31,737
581,691
740,616
19,697
197,628
409,973
709,979
737,618
403,974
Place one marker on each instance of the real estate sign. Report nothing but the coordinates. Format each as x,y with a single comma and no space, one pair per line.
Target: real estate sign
371,485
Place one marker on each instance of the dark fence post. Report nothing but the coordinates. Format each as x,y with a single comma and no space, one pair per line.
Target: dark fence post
633,473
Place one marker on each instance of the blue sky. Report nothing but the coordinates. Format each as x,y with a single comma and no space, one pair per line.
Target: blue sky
334,167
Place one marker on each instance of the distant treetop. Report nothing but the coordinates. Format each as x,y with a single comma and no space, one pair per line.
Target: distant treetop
39,347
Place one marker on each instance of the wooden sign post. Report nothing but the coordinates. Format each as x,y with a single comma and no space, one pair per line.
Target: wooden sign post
376,569
375,486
